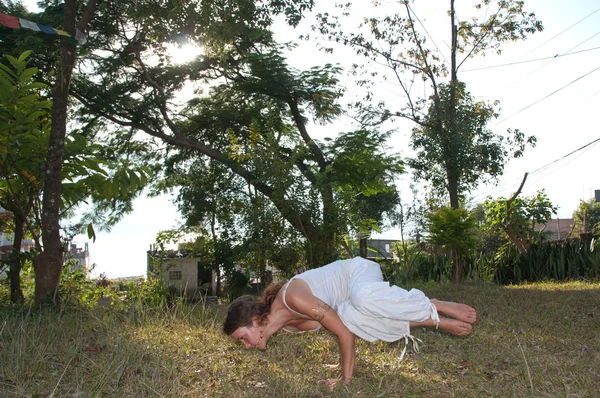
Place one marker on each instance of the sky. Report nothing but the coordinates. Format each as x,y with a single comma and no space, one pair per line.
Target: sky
556,99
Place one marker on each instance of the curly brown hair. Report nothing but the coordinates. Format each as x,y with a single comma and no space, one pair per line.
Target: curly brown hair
244,309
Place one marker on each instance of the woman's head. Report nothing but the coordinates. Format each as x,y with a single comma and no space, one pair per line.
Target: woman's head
243,311
247,317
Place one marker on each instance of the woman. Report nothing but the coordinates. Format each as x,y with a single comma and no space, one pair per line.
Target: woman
349,298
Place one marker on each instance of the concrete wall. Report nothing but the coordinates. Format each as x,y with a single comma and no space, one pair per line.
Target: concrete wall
188,283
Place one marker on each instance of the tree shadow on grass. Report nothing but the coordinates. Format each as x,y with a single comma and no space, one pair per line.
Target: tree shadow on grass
529,341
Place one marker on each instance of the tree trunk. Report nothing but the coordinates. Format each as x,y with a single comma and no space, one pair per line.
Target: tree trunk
457,259
321,248
362,246
453,190
48,265
16,293
457,266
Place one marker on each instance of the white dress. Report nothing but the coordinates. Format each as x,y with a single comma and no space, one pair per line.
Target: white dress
369,307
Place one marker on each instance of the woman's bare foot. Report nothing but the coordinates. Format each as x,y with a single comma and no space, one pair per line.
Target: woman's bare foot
455,327
462,312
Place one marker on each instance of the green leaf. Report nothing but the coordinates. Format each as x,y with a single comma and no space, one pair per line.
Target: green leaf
91,233
24,56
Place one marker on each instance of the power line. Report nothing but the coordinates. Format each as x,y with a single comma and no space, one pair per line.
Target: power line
547,41
550,172
428,35
538,170
557,56
549,95
531,60
592,96
565,156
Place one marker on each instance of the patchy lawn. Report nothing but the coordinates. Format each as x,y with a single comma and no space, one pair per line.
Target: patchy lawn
538,340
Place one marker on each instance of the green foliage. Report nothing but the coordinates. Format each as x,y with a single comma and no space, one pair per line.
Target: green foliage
237,283
561,260
524,214
587,217
456,150
452,229
465,149
250,120
427,263
4,290
24,131
78,290
363,176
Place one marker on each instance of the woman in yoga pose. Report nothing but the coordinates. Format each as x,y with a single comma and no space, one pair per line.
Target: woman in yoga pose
349,298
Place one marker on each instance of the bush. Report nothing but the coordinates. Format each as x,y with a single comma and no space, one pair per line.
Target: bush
237,283
558,260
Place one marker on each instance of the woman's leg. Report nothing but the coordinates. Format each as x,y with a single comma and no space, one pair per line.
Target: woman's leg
453,326
459,311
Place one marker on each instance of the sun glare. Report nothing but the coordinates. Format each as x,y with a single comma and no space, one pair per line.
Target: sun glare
182,54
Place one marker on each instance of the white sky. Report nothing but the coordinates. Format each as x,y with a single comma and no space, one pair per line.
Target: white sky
563,122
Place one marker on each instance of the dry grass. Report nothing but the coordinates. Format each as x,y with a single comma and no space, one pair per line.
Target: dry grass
539,340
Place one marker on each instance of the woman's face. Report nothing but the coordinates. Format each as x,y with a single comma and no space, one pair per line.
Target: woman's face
250,336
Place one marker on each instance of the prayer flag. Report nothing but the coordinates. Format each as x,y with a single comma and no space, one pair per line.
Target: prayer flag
16,23
61,32
80,36
46,29
9,20
28,24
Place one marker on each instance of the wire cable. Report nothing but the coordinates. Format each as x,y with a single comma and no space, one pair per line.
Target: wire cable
549,95
565,156
531,60
554,58
428,35
548,41
536,171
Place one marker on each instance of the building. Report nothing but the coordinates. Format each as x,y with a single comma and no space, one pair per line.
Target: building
79,256
6,244
557,229
381,249
183,272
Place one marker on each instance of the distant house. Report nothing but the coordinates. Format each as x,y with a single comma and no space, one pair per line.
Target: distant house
80,257
557,229
182,272
6,244
380,248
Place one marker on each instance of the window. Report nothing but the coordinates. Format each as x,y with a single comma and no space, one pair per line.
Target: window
174,275
387,247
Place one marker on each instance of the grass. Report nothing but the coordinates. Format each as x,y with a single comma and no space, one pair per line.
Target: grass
539,340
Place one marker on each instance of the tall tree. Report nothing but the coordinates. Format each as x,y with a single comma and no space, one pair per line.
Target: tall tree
48,264
252,114
106,173
24,127
448,120
453,124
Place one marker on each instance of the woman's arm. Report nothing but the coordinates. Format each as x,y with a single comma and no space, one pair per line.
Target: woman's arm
315,308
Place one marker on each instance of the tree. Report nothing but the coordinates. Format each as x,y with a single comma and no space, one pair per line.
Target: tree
48,264
447,119
457,161
252,117
517,217
454,230
103,172
24,127
88,172
587,217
